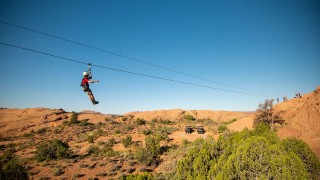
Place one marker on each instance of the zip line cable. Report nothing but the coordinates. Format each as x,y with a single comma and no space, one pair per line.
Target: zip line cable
124,71
122,56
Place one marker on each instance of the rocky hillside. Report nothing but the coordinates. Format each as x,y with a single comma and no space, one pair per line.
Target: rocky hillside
302,117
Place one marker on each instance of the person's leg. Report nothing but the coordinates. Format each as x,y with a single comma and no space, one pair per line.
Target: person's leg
93,100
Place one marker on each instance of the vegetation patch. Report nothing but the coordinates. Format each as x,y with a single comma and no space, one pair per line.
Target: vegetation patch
141,121
255,154
222,128
127,141
189,117
54,149
11,168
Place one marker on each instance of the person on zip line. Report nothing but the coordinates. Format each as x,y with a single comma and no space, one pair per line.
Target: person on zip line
87,76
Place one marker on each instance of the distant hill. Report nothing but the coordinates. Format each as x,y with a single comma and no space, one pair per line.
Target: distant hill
177,114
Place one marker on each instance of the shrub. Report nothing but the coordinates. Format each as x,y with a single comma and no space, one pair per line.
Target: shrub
93,150
111,142
188,117
308,157
85,123
54,149
255,154
222,128
185,142
103,150
153,146
142,176
140,121
141,155
146,132
124,118
42,130
265,114
73,119
11,168
57,171
231,121
166,122
31,134
117,131
90,138
127,141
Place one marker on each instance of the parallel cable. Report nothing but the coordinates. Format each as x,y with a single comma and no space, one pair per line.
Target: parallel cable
122,56
124,71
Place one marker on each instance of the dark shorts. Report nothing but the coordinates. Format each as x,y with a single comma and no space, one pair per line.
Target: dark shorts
87,90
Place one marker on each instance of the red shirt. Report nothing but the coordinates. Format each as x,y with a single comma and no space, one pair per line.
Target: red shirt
85,80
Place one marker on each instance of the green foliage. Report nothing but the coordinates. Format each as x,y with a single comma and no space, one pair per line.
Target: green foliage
153,146
255,158
73,119
85,123
117,131
11,168
303,151
111,142
54,149
166,122
90,138
31,134
104,150
185,142
42,130
255,154
222,128
127,141
142,176
140,121
142,155
231,121
188,117
57,171
146,132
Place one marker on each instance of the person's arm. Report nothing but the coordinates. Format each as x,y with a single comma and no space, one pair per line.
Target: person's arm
93,81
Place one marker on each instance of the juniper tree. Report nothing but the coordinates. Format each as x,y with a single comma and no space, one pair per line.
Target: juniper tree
265,114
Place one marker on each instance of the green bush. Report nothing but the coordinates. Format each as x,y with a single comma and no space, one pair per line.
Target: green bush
146,132
141,155
93,150
140,121
142,176
73,119
90,138
255,154
111,142
30,134
231,121
11,168
42,130
102,151
57,171
127,141
308,157
166,122
222,128
54,149
188,117
153,145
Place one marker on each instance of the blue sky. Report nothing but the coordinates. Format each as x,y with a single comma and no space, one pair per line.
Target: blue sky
271,47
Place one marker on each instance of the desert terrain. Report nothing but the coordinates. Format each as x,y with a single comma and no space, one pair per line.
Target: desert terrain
24,129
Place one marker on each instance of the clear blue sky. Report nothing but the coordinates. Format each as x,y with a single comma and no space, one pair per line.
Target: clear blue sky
266,46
